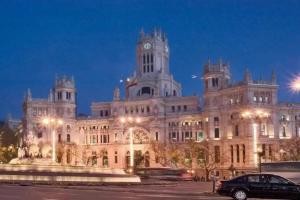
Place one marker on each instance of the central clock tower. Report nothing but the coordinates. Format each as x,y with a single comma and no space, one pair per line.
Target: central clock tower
152,54
152,77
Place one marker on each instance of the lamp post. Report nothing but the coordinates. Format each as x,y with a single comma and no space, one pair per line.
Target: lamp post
53,123
253,116
260,154
130,121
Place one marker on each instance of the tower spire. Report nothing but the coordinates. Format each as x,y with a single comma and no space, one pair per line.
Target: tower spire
142,33
28,95
273,79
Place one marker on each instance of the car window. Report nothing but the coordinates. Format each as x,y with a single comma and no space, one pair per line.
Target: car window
253,178
241,179
278,180
263,179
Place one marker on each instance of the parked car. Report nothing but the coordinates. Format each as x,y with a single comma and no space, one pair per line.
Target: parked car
259,186
167,174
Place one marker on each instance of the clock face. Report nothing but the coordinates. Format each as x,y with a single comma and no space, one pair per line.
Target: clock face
147,45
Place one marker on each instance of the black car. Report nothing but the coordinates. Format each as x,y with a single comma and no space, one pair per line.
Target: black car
259,186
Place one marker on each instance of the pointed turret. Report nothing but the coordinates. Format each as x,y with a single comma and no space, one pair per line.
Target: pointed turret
117,94
220,62
142,33
207,65
273,79
247,76
50,96
28,96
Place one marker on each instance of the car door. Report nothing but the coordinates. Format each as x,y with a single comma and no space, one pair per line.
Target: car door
257,185
282,188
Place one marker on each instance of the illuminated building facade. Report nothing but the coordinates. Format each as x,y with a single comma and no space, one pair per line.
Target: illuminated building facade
237,119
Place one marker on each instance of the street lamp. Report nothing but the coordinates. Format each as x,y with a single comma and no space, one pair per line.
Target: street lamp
130,121
295,84
53,123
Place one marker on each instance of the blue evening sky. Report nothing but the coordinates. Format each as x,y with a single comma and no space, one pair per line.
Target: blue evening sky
95,41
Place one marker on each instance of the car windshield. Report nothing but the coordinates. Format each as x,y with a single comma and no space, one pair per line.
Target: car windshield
279,180
240,179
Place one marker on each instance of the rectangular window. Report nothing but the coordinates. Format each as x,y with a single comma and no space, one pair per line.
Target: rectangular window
68,95
237,153
217,133
217,154
104,139
263,149
263,129
173,108
174,136
200,124
116,137
187,135
156,136
216,121
59,95
184,108
244,153
178,108
283,131
236,130
231,153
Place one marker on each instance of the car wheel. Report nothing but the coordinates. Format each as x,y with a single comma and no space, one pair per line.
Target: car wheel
240,195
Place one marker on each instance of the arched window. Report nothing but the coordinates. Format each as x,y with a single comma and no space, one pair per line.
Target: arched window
68,138
147,159
116,157
146,90
105,159
68,128
68,156
127,159
94,158
174,93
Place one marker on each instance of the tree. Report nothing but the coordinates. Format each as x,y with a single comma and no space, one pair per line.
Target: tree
200,156
291,150
167,154
70,150
9,143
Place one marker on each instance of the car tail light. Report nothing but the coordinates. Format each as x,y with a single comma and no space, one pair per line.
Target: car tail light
219,185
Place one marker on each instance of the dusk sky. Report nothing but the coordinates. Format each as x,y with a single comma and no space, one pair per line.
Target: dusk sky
95,42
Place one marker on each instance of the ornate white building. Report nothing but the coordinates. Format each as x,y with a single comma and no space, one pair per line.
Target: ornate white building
237,119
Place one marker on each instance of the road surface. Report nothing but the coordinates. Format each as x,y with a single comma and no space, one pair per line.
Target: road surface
174,191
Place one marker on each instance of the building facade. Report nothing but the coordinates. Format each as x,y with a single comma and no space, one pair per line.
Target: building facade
238,120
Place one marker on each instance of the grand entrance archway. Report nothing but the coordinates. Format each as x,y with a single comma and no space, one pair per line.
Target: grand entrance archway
141,140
